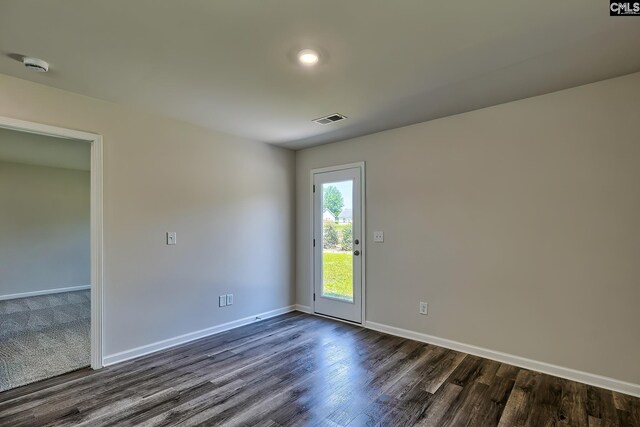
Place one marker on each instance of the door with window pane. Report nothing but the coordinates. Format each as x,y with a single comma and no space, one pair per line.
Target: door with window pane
338,247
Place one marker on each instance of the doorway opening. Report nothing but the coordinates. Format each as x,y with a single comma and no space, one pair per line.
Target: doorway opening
50,253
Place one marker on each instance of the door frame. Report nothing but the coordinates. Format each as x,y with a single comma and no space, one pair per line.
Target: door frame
363,238
96,174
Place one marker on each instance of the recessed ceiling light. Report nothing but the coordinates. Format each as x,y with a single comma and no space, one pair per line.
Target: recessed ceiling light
308,57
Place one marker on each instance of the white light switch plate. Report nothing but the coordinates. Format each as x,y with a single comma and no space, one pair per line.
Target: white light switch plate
229,299
378,236
222,300
171,237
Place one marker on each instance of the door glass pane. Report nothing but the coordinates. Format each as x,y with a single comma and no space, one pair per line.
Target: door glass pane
337,240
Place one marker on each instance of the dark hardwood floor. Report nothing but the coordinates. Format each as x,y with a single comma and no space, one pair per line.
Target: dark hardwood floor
298,369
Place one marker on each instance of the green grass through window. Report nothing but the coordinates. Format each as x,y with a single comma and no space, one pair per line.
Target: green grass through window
338,272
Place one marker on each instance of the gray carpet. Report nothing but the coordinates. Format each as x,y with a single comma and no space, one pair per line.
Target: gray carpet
43,336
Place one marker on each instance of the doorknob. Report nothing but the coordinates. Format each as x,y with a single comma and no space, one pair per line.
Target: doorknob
356,252
356,241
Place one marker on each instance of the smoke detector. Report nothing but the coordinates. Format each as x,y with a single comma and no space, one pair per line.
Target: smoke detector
331,118
35,64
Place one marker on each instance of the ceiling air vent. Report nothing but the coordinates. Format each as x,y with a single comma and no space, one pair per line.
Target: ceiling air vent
331,118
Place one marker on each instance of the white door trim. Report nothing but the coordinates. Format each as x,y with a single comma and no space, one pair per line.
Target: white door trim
363,215
96,219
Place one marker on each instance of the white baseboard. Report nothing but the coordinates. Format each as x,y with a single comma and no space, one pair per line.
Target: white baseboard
191,336
303,308
522,362
44,292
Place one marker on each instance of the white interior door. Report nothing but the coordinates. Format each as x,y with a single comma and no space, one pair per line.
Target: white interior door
338,244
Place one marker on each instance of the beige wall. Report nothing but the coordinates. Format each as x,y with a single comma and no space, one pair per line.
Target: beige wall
231,202
519,224
45,228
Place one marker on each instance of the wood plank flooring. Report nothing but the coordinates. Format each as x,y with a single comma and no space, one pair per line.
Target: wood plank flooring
299,370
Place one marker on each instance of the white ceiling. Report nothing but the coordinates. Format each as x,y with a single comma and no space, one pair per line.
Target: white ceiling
41,150
228,65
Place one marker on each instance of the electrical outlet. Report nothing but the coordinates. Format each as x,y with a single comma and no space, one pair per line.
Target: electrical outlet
423,307
229,299
222,300
378,236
